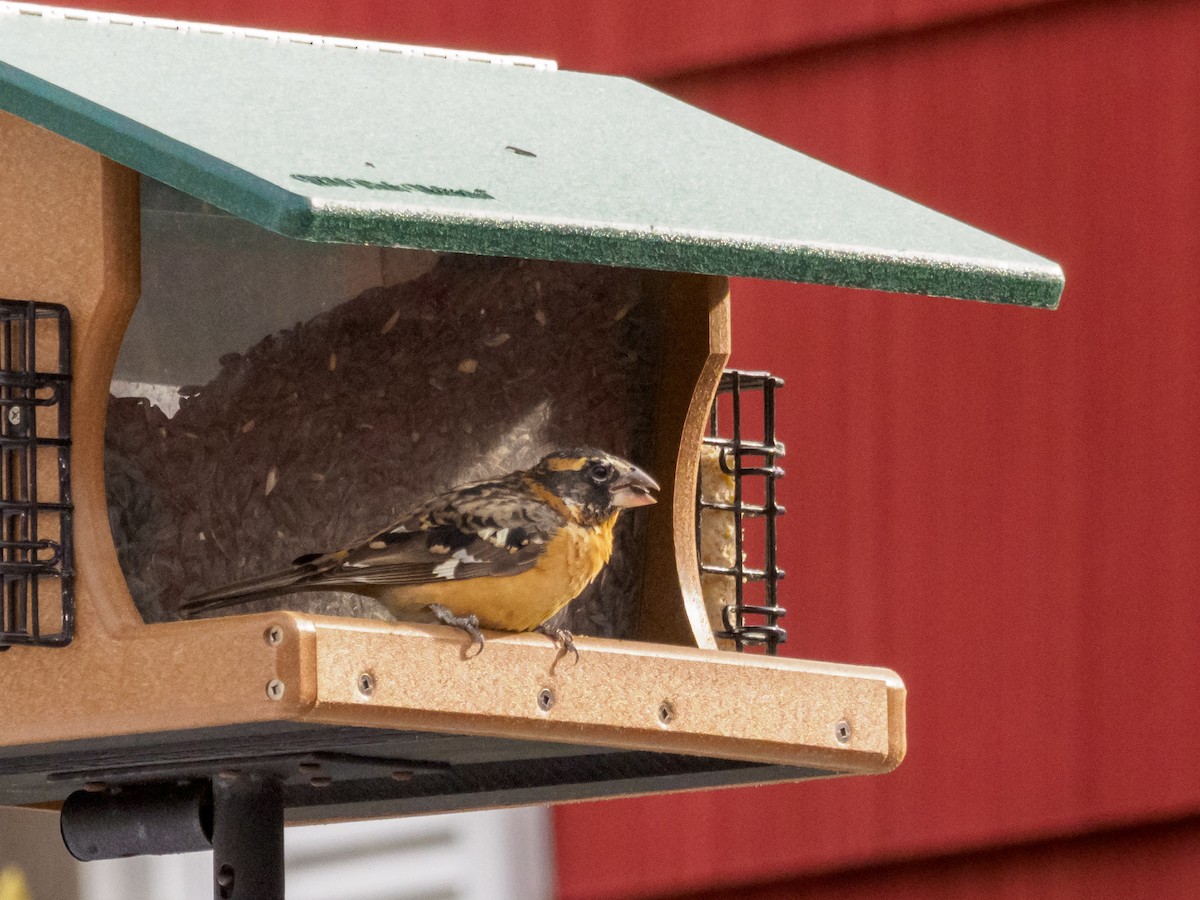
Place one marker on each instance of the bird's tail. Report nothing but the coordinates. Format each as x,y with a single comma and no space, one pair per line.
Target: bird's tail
256,588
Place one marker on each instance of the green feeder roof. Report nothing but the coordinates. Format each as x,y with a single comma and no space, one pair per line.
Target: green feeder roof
335,140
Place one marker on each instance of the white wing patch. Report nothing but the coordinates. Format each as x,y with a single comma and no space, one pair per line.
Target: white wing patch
449,567
497,537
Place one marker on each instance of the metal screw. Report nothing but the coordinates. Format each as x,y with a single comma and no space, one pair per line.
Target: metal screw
273,636
366,683
545,699
275,689
14,415
666,713
842,732
319,781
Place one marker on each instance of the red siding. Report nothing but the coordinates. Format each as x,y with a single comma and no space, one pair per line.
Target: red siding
630,37
1001,504
1154,861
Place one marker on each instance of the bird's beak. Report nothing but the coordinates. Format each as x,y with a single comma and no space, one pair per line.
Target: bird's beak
632,488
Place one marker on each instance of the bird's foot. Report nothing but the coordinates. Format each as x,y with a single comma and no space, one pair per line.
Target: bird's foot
469,624
563,640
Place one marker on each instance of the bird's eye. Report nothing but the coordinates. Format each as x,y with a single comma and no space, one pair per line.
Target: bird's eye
600,472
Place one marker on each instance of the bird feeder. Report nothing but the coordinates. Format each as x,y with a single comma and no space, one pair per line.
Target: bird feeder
263,291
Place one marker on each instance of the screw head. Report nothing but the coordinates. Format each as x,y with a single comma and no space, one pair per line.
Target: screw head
275,689
273,636
366,684
545,699
319,781
666,713
842,732
14,415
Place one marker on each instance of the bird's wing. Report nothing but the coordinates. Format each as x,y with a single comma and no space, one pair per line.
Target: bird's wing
484,529
488,528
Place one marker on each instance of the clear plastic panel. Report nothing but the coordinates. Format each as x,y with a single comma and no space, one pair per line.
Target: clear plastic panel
275,398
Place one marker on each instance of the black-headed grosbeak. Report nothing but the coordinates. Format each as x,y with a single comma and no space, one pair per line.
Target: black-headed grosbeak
504,554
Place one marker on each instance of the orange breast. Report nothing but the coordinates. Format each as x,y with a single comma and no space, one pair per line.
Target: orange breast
573,558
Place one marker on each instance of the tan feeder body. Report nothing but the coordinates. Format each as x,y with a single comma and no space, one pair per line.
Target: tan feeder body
265,292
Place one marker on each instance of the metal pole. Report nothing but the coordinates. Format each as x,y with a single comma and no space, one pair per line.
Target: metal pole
247,837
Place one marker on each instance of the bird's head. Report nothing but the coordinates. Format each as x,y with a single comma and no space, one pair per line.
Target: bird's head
593,485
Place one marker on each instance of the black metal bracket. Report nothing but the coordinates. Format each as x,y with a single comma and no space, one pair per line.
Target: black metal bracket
36,561
232,804
239,815
101,822
748,623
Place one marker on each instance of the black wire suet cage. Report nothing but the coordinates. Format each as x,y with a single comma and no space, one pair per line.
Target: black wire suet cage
37,602
751,463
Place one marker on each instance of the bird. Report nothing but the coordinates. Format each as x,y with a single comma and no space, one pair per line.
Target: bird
503,554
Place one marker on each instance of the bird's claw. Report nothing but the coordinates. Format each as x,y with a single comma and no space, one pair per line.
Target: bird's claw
469,624
563,640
